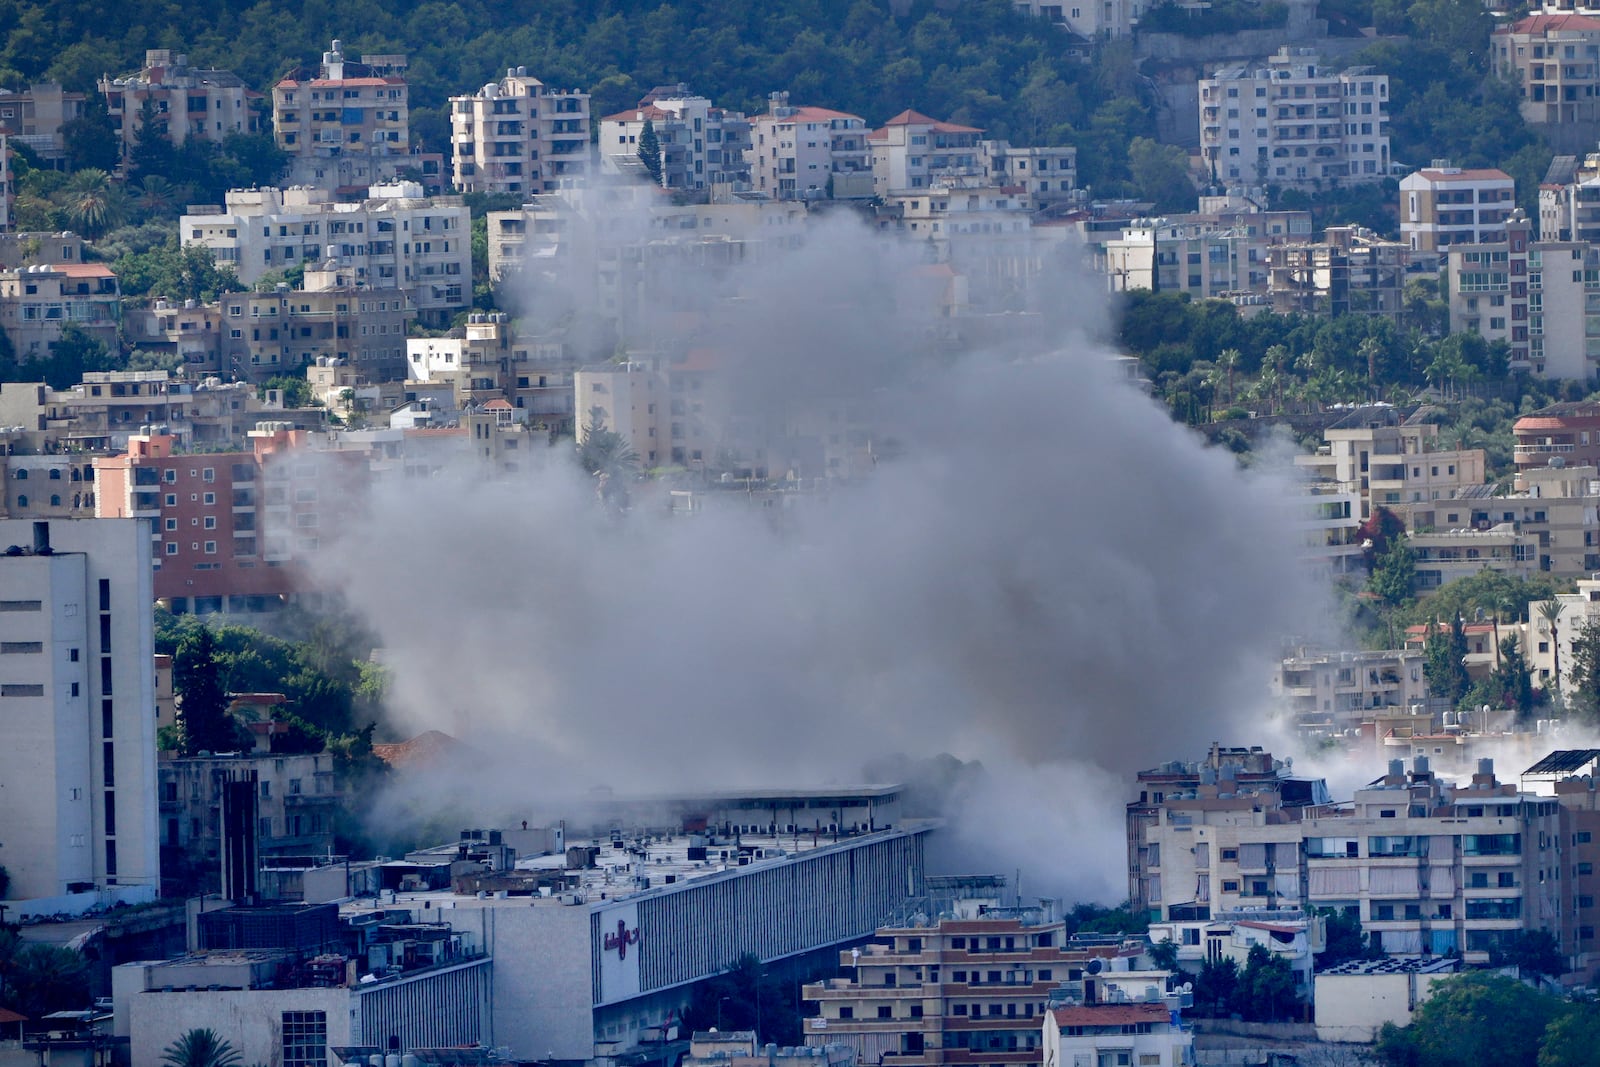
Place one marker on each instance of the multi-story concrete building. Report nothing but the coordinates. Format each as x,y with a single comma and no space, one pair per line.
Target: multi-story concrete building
1442,556
297,798
490,362
396,238
1205,260
1556,505
37,302
34,116
1350,270
1570,775
333,316
518,135
1551,645
964,989
1566,434
1335,691
189,330
809,153
1295,122
78,773
910,150
228,529
53,486
1091,21
1048,174
1442,206
1287,933
1554,60
182,101
345,124
1117,1017
1390,459
702,146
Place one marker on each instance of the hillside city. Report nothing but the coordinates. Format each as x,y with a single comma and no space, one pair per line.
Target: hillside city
977,533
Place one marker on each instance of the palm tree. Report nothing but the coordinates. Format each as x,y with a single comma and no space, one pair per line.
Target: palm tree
92,203
1370,349
1229,359
157,195
200,1048
1550,611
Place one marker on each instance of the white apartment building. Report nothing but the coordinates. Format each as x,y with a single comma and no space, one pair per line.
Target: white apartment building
396,238
1442,206
77,693
1047,174
1550,645
809,153
186,101
1090,19
345,123
1442,556
518,135
1295,122
911,150
702,145
1126,1020
1287,933
1203,259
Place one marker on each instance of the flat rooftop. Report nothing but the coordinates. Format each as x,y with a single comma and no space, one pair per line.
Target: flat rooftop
1397,965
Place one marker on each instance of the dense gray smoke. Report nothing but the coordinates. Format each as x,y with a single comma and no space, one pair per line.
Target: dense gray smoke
1050,577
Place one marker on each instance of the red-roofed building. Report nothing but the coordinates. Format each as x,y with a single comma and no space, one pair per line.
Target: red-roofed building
36,302
1116,1035
1445,206
1551,58
912,149
346,125
702,145
809,153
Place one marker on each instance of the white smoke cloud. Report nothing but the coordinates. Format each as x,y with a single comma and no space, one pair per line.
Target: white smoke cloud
1054,578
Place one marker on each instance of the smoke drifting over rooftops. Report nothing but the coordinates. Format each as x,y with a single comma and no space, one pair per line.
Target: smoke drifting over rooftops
1051,577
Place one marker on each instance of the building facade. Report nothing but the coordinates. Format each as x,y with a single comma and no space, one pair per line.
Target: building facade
37,302
345,124
1553,58
1295,122
519,135
1442,206
702,146
77,826
182,101
809,153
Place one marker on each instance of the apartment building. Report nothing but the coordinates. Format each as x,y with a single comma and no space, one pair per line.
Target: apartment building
53,486
189,330
345,124
1551,644
1443,205
77,828
969,988
228,529
519,135
1295,122
1126,1030
809,153
1565,434
1331,692
1556,505
489,361
1442,556
34,116
297,798
1390,459
1570,775
1091,21
183,101
911,150
37,302
1168,877
1049,174
395,238
1351,270
332,316
1553,58
702,146
1287,933
1202,259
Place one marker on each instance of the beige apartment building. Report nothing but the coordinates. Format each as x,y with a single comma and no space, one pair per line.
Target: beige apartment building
519,135
1331,692
1443,205
346,123
1389,459
34,117
1553,58
911,150
1351,269
37,302
188,329
487,361
809,153
184,101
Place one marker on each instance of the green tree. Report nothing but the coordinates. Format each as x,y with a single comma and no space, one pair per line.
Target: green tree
1572,1040
1266,989
1583,677
1216,988
1444,665
201,1048
1161,174
1344,939
1512,678
1550,615
1472,1019
39,979
200,682
92,203
650,151
1394,573
90,140
1535,952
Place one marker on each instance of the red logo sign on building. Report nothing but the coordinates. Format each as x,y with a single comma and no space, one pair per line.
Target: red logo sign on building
622,939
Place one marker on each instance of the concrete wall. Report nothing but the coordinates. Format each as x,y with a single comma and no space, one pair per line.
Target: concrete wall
252,1020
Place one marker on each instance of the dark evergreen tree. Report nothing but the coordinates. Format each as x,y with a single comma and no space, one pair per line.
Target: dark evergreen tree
199,679
1444,661
650,151
1513,678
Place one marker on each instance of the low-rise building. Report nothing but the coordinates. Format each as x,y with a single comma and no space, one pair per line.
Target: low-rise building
1356,998
37,302
1565,434
1350,270
1442,556
1392,460
34,117
1117,1017
190,331
1287,933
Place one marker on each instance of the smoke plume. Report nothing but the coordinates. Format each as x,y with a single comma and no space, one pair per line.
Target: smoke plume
1050,577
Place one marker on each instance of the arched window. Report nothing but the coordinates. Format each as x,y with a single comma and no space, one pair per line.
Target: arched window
22,501
55,474
22,474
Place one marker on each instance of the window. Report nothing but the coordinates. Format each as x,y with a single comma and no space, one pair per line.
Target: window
305,1038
